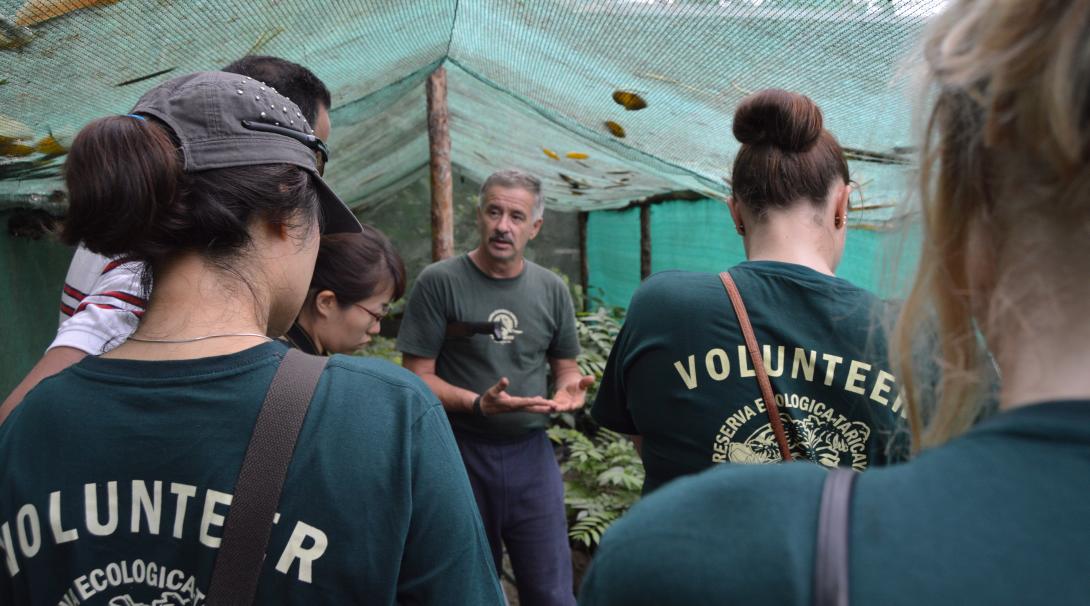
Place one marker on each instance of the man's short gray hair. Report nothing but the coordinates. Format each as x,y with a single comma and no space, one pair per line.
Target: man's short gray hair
515,178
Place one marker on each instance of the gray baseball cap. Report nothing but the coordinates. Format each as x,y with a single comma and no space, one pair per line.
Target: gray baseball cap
224,120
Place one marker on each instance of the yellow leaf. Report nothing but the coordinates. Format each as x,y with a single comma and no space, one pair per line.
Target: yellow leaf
15,150
577,155
630,100
615,129
550,153
50,146
34,12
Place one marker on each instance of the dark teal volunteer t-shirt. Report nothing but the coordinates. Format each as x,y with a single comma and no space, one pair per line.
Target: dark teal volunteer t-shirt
117,475
537,322
679,374
997,516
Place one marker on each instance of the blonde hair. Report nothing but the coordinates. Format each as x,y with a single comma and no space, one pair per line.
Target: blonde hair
1004,192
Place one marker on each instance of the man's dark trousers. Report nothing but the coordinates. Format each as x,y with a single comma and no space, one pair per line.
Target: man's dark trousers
521,497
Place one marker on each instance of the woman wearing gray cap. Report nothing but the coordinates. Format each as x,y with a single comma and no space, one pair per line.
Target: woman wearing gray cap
213,181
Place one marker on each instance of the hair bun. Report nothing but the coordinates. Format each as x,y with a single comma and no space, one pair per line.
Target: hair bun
786,120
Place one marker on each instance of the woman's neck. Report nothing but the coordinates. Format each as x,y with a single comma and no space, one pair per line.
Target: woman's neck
1042,358
192,300
792,237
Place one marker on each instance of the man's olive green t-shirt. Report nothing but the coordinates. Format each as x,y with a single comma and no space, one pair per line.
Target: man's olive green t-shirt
117,477
998,516
537,322
680,376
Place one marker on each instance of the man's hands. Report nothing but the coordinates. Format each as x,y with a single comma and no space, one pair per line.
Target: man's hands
496,400
568,397
573,395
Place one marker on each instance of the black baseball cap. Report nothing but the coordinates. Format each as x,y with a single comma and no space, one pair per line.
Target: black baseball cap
223,120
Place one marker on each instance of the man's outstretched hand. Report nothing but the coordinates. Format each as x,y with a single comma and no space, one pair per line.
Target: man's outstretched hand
496,400
573,395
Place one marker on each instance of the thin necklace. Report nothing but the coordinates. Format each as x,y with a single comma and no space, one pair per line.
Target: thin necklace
194,339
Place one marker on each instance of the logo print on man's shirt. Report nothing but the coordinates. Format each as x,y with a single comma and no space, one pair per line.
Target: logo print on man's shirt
509,324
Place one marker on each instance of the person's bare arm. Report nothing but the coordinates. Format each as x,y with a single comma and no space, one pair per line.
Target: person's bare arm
494,400
54,361
571,384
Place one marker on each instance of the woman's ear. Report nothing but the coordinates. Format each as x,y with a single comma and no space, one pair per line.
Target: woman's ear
736,215
840,207
325,302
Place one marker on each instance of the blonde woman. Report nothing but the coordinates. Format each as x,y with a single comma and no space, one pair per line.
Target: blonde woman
990,511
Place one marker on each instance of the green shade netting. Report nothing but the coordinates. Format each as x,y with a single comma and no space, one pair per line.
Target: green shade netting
524,76
700,236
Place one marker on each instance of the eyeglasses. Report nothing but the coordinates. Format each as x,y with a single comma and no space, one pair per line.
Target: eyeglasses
319,147
378,317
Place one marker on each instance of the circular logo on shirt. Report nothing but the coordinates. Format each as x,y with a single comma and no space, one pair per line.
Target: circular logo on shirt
508,323
821,436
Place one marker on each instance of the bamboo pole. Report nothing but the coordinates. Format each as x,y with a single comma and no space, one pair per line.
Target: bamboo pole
442,185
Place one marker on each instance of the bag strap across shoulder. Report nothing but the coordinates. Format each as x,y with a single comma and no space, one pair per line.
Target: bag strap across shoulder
831,557
261,479
769,396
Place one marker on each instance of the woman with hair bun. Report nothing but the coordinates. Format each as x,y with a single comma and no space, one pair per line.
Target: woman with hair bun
121,474
356,278
993,508
681,378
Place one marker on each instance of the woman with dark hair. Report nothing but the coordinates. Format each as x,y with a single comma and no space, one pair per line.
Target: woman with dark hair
356,278
213,183
994,507
681,377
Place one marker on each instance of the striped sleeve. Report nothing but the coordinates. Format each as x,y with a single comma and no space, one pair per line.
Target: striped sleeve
101,302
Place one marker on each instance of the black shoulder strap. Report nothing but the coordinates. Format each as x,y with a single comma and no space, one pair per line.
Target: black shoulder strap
833,537
257,492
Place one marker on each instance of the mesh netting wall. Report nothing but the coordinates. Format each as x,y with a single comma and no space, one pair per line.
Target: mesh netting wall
531,84
700,236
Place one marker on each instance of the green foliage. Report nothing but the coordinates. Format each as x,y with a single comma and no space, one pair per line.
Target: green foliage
597,331
382,347
603,476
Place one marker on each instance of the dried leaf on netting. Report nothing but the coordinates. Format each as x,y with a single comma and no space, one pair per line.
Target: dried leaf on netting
49,146
34,12
577,155
10,149
550,153
615,129
631,101
573,183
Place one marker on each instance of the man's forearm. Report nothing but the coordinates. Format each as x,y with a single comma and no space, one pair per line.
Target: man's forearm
454,399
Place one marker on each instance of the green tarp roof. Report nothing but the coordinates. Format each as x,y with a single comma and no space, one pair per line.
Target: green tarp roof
525,76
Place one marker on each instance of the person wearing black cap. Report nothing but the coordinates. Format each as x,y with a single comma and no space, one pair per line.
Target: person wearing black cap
120,469
103,298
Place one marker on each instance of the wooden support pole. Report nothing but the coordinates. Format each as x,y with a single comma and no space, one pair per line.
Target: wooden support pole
442,184
584,267
645,241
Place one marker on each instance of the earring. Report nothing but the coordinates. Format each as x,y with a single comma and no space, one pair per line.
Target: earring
838,221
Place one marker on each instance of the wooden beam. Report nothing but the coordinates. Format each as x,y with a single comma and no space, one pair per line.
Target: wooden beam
584,267
684,194
442,184
645,241
670,196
